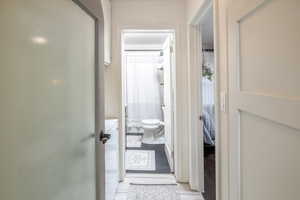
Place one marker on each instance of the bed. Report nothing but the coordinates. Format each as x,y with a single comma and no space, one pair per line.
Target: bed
209,124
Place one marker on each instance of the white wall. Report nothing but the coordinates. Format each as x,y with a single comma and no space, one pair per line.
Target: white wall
192,7
154,14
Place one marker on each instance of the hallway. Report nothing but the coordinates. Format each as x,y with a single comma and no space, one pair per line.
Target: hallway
217,110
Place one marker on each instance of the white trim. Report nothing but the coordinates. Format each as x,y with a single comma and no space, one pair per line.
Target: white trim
196,168
170,156
194,55
217,101
123,119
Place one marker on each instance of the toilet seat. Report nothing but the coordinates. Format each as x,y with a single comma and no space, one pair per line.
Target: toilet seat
151,122
150,126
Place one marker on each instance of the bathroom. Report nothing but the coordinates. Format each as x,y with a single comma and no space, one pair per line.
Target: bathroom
147,61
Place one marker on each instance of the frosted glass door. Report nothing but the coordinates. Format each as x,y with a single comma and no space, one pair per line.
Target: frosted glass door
47,60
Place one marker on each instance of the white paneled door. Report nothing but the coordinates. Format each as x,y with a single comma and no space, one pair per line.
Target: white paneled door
47,112
167,106
264,66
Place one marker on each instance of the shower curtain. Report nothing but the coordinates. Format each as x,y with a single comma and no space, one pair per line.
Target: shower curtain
143,89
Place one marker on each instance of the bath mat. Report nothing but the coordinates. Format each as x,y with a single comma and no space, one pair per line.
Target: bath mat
152,181
140,160
153,192
134,141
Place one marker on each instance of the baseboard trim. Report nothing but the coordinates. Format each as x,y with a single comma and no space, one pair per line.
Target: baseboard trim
169,157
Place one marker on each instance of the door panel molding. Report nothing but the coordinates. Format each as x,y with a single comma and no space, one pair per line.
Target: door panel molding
270,110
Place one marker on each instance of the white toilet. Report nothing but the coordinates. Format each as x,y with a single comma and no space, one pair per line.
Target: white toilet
152,130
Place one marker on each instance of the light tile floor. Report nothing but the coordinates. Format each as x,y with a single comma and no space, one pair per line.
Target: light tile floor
183,189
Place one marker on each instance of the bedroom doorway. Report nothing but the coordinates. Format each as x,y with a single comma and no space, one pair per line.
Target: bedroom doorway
147,62
208,116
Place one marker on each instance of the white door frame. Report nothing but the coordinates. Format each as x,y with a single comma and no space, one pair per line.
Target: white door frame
195,61
123,119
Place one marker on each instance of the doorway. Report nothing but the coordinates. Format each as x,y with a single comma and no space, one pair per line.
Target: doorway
147,62
204,109
208,103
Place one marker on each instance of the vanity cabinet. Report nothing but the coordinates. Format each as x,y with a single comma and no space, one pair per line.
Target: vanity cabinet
111,159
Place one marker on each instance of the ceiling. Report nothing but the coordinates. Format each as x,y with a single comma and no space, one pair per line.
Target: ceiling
145,40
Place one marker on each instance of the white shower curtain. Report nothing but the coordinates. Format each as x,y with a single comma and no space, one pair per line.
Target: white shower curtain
143,88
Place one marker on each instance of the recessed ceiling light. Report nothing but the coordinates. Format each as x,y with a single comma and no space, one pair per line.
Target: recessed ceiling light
56,82
39,40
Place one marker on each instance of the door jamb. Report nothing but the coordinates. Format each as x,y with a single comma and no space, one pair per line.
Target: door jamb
194,60
171,31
